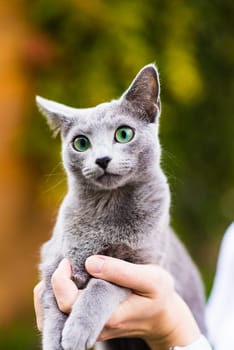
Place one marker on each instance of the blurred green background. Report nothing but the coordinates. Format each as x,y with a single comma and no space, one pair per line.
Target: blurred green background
85,52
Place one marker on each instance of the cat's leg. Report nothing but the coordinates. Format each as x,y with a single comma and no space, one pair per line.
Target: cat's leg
53,323
90,313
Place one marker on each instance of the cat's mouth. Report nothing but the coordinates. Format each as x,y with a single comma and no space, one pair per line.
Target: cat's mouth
108,180
107,175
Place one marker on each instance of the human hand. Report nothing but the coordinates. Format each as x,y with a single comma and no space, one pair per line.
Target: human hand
153,311
65,290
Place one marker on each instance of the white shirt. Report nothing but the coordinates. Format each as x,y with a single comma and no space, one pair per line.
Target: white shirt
220,307
199,344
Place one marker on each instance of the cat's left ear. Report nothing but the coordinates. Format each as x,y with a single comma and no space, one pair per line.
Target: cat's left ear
59,116
144,93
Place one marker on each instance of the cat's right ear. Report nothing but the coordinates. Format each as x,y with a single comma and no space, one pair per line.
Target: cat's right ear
59,116
144,93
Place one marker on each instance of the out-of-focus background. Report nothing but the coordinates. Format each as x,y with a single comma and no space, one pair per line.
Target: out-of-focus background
85,52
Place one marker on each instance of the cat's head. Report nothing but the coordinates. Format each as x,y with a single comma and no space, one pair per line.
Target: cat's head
114,143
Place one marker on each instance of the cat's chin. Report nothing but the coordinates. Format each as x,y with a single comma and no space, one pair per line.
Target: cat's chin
109,181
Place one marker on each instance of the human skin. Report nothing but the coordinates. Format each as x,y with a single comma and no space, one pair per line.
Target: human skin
153,311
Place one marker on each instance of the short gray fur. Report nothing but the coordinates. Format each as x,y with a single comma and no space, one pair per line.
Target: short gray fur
122,211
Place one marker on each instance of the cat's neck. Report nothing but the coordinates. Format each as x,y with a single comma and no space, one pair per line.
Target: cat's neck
145,196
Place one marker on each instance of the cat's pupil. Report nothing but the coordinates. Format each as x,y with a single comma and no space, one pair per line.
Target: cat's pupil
123,134
82,142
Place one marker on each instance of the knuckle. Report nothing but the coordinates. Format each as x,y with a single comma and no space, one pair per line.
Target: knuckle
162,281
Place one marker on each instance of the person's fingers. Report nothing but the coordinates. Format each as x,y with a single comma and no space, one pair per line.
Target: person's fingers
38,290
132,318
143,279
65,290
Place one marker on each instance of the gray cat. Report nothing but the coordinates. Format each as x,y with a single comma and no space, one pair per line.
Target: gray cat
117,204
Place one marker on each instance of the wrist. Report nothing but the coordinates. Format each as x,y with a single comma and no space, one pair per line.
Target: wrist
179,327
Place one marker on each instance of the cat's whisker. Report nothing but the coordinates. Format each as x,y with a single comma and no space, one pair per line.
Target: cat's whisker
54,172
56,185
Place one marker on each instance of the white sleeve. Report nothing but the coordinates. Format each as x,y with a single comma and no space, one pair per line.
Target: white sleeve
199,344
220,307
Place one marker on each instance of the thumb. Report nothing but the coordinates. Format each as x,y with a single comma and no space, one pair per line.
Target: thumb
142,279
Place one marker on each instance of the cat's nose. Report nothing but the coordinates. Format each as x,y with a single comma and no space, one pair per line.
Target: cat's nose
103,162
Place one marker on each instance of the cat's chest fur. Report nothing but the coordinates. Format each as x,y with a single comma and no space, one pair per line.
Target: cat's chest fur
116,223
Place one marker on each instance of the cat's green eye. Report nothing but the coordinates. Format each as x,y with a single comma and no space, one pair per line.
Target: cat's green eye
81,143
124,134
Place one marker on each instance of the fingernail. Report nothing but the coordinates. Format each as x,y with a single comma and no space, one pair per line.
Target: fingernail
94,264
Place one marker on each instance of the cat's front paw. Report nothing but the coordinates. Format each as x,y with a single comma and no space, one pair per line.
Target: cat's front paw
78,335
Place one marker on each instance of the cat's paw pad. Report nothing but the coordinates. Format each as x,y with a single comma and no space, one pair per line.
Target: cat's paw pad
78,336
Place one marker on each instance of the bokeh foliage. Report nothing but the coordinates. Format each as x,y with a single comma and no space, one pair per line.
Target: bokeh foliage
87,52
